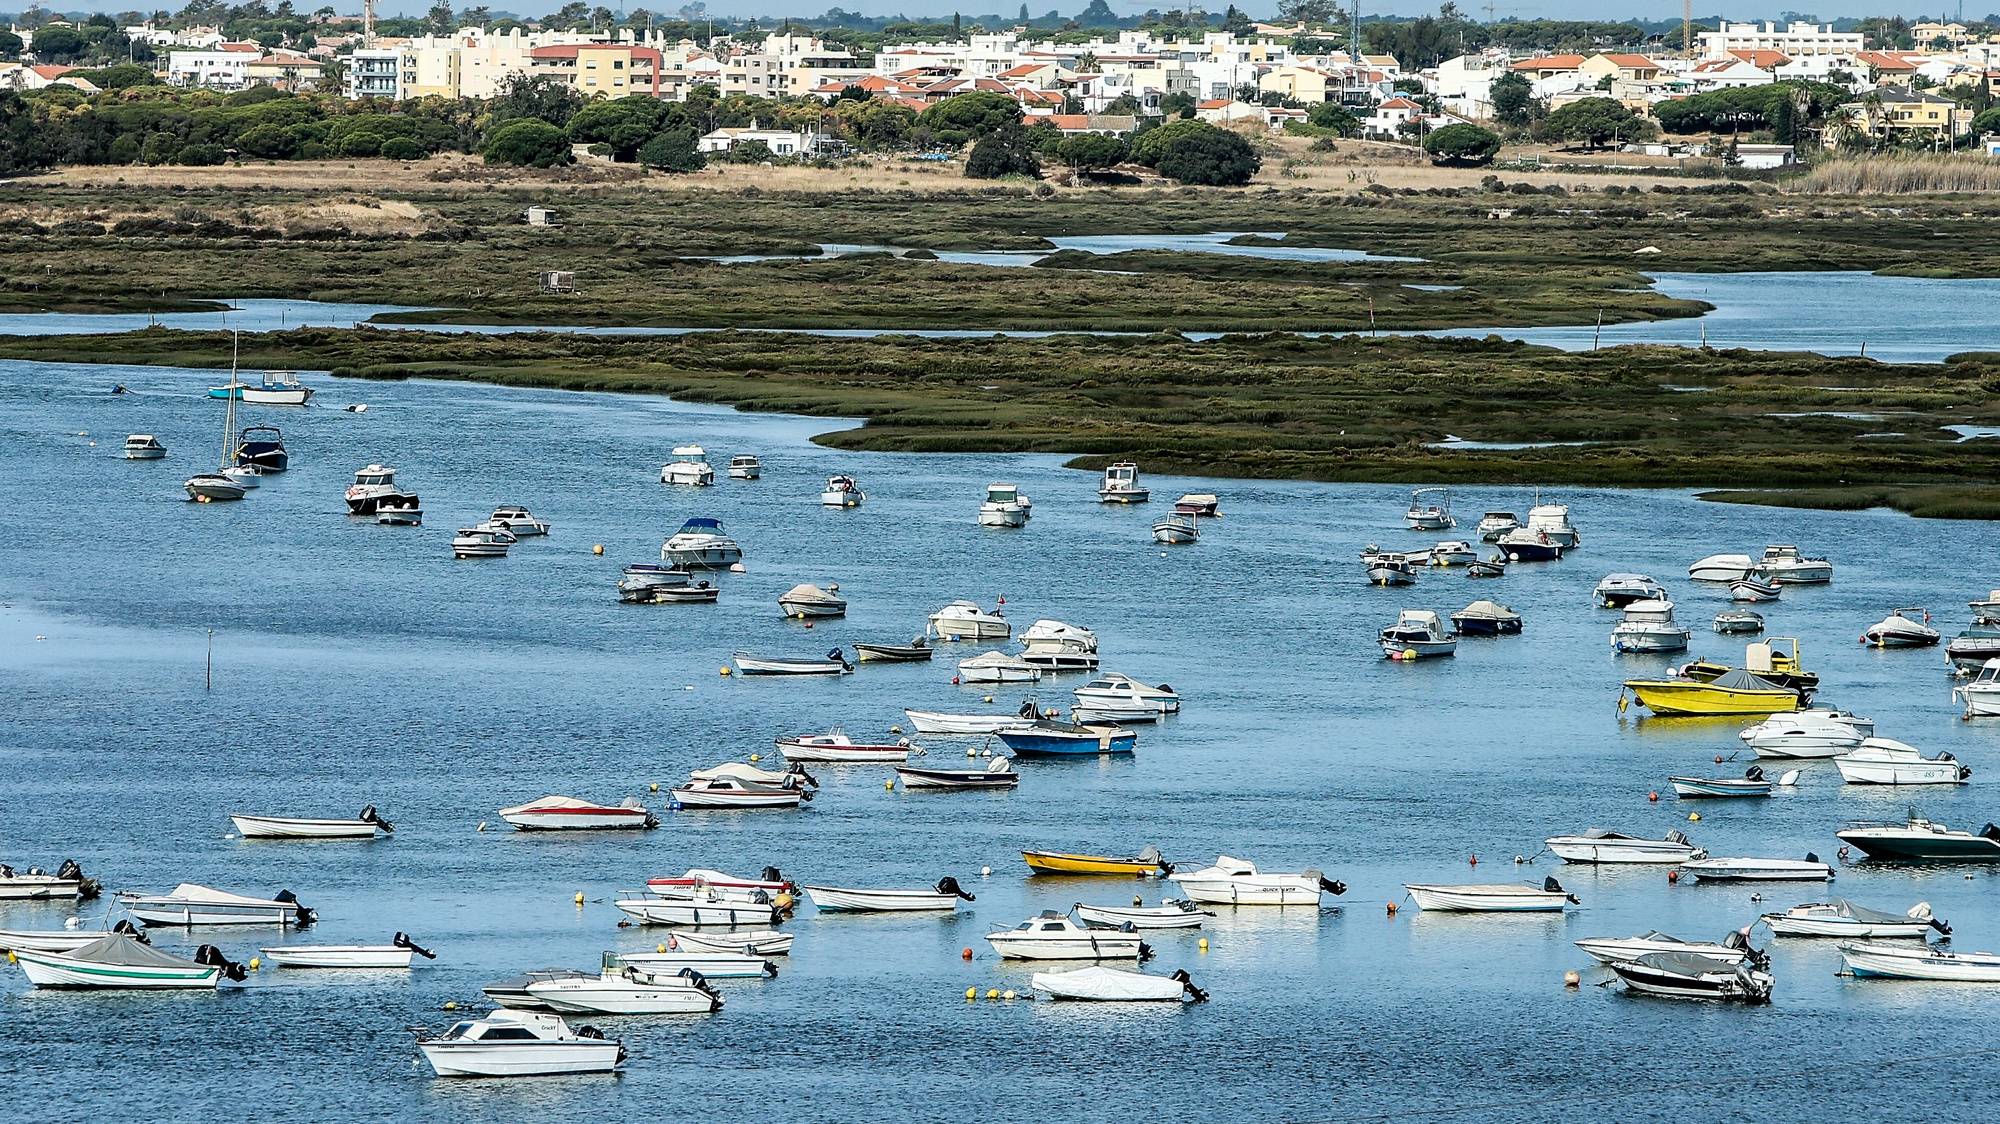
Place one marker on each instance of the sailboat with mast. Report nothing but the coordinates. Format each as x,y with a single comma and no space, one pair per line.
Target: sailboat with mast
212,487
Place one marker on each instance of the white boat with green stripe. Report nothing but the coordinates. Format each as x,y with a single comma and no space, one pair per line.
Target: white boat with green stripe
125,962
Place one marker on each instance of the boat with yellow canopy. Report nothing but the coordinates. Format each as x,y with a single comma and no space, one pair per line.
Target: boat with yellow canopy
1146,862
1733,692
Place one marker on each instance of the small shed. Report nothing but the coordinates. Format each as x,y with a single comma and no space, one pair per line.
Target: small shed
556,281
1766,155
544,216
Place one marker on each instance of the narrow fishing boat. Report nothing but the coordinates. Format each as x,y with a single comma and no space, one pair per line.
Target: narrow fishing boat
709,964
1842,918
699,909
1888,761
1147,863
508,1043
1492,897
1486,618
1733,949
836,747
841,491
36,884
396,954
835,663
122,961
1053,936
1866,960
918,650
1113,985
1613,848
936,722
963,620
1682,975
1175,913
1753,782
1733,692
760,942
807,601
1121,485
1062,739
943,897
567,813
189,904
366,824
1902,628
1758,870
1233,881
770,882
1922,840
998,773
997,667
697,593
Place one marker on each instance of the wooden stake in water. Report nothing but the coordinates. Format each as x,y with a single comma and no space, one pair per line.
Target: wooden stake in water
1599,332
208,677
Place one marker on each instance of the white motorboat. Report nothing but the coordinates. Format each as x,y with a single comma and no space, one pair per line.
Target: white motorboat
1807,734
1430,510
943,897
366,824
1982,695
1888,761
638,581
1784,563
568,813
808,601
1177,530
1233,881
963,620
396,954
769,882
1201,504
1735,621
509,1043
835,663
699,908
125,962
210,487
995,772
1551,520
482,542
709,964
1683,975
402,509
62,940
841,491
837,747
689,467
1986,610
1453,552
248,475
1753,782
1486,618
1809,869
518,522
1418,634
1004,506
1922,840
1903,628
934,722
1388,567
759,942
1114,690
622,988
1115,985
1723,568
1057,646
1493,524
37,884
1755,587
1173,914
997,667
701,545
737,785
1649,626
1492,897
1053,936
189,904
1843,918
1608,848
744,466
1615,591
513,991
144,447
1733,949
1113,715
1121,485
1868,960
372,483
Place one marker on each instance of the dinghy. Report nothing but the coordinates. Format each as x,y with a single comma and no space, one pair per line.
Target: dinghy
700,909
835,663
1842,918
1174,913
934,722
1114,985
1492,897
1052,936
998,773
1233,881
1918,962
1682,975
124,962
1751,783
709,964
519,1044
809,602
567,813
1147,863
838,899
1613,847
189,904
759,942
836,747
1810,869
365,825
916,651
396,954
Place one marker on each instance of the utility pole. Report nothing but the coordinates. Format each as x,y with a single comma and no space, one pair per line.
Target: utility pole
1354,42
1687,28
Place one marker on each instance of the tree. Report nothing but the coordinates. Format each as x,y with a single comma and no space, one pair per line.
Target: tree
1334,116
674,150
1462,145
1210,156
1987,122
10,45
1591,120
1097,14
402,148
1312,13
1178,104
542,97
569,16
1006,152
625,124
269,142
1235,22
440,20
875,125
1124,105
527,143
1090,152
1513,95
972,116
1149,146
59,44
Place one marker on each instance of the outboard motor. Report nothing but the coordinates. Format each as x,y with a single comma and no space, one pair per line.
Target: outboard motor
1145,950
1811,858
772,874
8,871
1029,709
1180,976
949,885
402,940
86,887
1739,939
1335,888
302,916
770,969
841,656
131,930
1990,831
1941,925
1965,772
212,956
1152,855
1754,773
799,771
368,816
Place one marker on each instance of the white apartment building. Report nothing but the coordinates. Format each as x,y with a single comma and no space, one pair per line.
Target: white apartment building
379,72
214,70
1798,39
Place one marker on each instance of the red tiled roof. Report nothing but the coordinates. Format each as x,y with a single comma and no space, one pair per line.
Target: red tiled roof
1763,60
1399,103
1550,62
1883,60
1022,71
1633,62
51,71
1213,103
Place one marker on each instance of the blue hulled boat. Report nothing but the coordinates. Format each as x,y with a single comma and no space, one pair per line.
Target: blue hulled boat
1066,739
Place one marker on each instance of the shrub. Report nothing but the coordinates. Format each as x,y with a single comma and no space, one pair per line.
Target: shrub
1214,157
1462,145
402,148
527,143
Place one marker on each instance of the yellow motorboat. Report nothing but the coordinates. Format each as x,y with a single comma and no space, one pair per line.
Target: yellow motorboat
1145,863
1733,692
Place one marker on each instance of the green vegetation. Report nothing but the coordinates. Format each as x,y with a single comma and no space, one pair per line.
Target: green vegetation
1751,107
1462,145
1960,501
1208,156
1595,122
527,144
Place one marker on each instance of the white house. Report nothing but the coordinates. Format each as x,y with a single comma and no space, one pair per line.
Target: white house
781,142
1464,84
215,70
1388,116
1765,156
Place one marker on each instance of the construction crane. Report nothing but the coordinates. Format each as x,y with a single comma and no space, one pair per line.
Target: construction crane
1687,28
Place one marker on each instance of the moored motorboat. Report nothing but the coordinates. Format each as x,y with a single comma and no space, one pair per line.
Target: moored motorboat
689,467
1064,739
745,466
841,491
638,581
1842,918
1732,949
1684,975
1176,530
1115,985
623,988
482,542
1004,506
1418,634
1922,840
1524,544
403,509
1492,897
1753,782
63,940
211,487
397,953
189,904
1615,591
1430,510
963,620
1054,936
1058,646
836,746
1888,761
1614,847
738,785
1146,864
1869,960
366,824
1493,524
942,897
1809,869
248,475
835,663
936,722
807,602
1722,568
1649,626
1233,881
567,813
513,991
1175,913
1738,621
1200,504
36,884
1388,567
1754,587
918,650
757,942
372,482
699,908
1775,659
997,667
996,772
1785,564
1807,734
122,961
519,522
1903,628
1971,649
1551,520
1486,618
263,446
709,964
1982,695
275,388
700,544
1114,689
693,593
1454,552
1121,485
1494,567
770,882
144,447
1733,692
509,1043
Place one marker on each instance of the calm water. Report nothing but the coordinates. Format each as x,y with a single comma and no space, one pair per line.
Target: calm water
359,664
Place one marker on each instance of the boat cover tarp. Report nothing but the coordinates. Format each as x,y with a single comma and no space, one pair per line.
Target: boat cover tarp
739,771
998,660
189,891
1737,679
128,951
1844,908
1488,610
1686,964
810,592
1108,984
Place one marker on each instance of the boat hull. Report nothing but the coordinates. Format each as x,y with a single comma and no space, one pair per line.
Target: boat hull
843,754
1774,872
1921,846
1165,917
279,827
671,911
833,899
597,819
188,914
1899,772
339,956
1876,962
524,1059
1691,788
1603,852
1058,862
1033,743
50,940
892,653
39,888
1701,699
1238,891
1448,899
1783,925
737,798
933,722
1065,948
957,778
56,971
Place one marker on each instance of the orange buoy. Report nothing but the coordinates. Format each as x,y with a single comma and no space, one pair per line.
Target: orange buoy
1475,860
1653,797
966,955
1718,759
1392,909
1674,875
